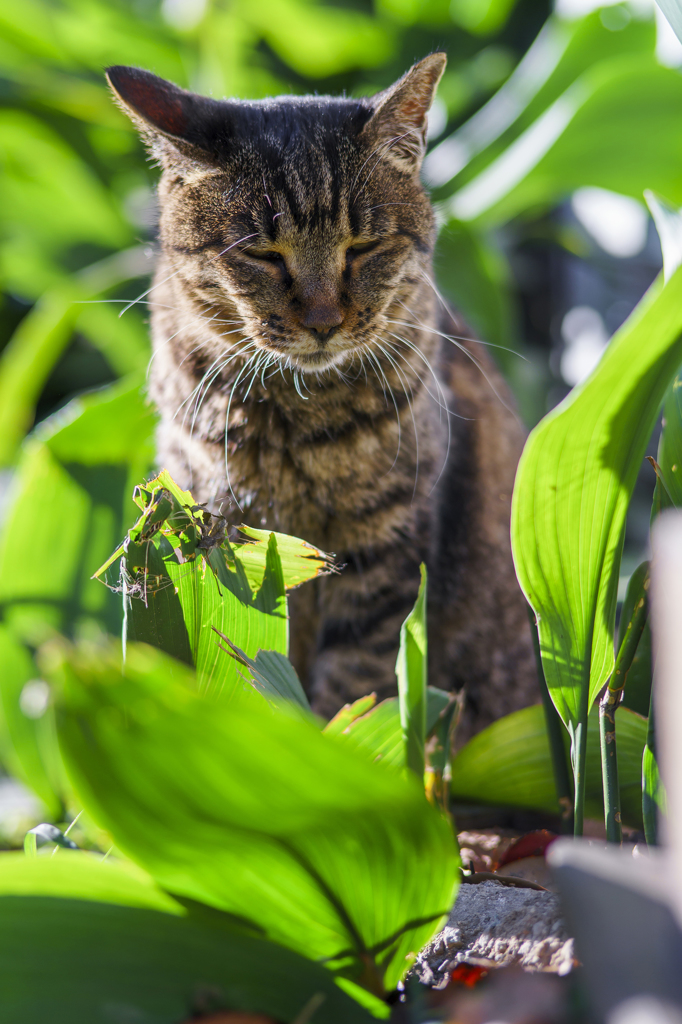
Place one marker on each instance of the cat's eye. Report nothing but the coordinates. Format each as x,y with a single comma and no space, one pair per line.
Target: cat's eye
358,248
269,256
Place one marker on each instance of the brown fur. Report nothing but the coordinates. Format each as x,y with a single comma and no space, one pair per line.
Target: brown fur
294,290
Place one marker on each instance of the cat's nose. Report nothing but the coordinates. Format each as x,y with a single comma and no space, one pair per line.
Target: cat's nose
323,321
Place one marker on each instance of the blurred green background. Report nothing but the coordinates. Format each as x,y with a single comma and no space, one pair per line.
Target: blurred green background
549,125
77,205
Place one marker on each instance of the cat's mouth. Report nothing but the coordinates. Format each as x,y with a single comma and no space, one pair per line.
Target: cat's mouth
303,356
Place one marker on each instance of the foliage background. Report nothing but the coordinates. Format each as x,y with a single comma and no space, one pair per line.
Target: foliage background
77,209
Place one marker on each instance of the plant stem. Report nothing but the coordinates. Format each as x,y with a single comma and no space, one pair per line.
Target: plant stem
555,734
578,760
608,705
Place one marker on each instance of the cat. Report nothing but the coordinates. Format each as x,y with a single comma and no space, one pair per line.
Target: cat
308,374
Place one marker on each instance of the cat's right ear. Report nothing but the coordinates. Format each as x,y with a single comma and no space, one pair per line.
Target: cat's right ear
177,125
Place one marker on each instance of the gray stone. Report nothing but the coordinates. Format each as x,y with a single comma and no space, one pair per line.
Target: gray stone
499,925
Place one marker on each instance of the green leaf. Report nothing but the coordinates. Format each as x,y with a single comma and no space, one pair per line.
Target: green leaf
475,276
561,53
81,940
273,676
185,585
411,670
348,713
572,492
320,40
67,509
616,127
637,693
43,334
654,803
379,733
300,561
670,443
311,843
509,764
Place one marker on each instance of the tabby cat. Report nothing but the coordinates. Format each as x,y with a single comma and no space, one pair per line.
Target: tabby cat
310,380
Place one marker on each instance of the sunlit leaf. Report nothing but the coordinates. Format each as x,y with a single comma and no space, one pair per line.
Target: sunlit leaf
412,672
561,53
312,843
67,508
572,492
100,942
509,764
616,127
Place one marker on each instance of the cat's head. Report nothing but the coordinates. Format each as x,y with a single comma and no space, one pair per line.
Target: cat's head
302,216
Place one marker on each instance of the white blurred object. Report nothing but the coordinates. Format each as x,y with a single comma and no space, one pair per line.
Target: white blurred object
645,1010
437,119
34,698
668,221
585,336
668,46
666,619
673,15
19,808
183,14
618,224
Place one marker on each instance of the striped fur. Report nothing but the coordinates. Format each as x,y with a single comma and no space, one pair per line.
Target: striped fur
306,382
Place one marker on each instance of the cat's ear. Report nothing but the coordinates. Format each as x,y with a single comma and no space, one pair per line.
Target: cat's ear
176,124
398,125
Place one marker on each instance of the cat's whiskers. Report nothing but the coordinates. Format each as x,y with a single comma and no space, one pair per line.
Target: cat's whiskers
239,376
157,284
439,399
409,397
470,355
476,341
201,390
383,379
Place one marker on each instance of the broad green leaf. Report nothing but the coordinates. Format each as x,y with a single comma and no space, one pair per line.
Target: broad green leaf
348,713
75,875
637,693
86,941
670,443
616,127
572,492
68,506
320,40
311,843
475,276
300,561
561,53
411,670
44,333
29,745
185,585
379,733
509,764
273,676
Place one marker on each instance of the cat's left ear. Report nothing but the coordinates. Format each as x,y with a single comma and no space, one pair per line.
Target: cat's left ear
398,126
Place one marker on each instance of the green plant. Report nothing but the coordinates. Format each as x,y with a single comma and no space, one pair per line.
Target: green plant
87,939
202,761
568,519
